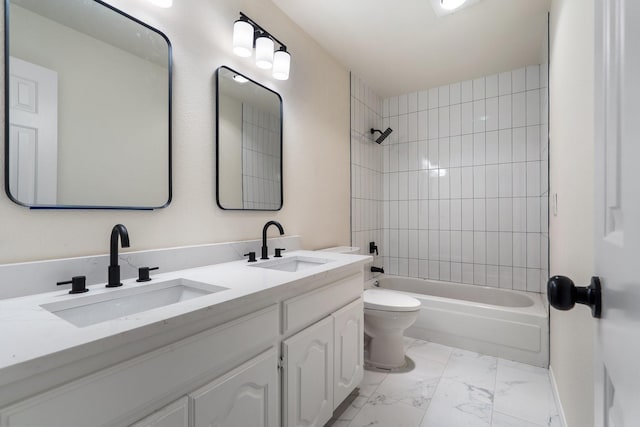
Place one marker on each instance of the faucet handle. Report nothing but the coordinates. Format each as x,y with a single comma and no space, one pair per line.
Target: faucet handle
78,284
373,248
143,273
252,256
279,252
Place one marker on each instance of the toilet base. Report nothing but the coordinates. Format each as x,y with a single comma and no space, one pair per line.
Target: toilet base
386,351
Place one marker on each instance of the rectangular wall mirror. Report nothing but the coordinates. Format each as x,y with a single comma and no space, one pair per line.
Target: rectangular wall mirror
88,107
249,143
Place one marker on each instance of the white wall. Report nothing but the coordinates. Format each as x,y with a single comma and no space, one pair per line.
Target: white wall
316,146
571,80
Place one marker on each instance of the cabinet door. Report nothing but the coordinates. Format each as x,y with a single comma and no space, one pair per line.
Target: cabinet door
308,376
348,324
175,414
246,396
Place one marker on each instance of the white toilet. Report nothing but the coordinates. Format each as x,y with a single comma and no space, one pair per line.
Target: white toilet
386,316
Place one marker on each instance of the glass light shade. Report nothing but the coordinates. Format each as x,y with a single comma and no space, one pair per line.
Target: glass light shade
242,38
264,52
162,3
281,64
451,4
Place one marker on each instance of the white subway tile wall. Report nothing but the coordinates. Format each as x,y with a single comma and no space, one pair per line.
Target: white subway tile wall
260,159
459,190
367,191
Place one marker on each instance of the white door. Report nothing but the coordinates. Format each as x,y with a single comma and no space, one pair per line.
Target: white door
33,133
348,336
308,376
617,212
246,396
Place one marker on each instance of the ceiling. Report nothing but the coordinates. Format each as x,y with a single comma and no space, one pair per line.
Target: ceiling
400,46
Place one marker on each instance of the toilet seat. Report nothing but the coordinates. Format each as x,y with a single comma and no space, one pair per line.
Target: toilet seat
386,300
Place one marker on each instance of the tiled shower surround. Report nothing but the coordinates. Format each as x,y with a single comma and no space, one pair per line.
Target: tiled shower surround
366,169
458,192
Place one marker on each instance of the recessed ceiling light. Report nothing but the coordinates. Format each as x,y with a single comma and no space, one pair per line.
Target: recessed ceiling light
451,4
446,7
240,79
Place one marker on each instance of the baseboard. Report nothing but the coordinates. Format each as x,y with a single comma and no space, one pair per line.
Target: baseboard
556,396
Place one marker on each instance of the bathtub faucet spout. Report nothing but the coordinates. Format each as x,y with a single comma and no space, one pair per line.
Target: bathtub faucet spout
377,269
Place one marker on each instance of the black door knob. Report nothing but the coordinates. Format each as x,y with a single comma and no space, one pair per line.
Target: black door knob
563,294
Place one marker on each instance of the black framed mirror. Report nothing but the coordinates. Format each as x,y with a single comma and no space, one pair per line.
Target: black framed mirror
248,143
87,107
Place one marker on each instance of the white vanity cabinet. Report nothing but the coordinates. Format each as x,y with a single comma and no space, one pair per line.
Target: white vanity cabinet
348,345
324,362
175,414
129,391
246,396
308,376
290,362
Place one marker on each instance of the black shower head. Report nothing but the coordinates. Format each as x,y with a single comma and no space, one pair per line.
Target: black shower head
383,135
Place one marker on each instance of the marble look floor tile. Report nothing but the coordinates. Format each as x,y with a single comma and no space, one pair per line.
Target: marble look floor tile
414,388
502,420
459,404
408,342
525,394
392,415
429,350
472,368
456,388
370,382
350,408
336,423
555,421
517,365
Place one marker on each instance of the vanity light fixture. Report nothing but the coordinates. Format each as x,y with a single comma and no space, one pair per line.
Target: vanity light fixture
162,3
248,34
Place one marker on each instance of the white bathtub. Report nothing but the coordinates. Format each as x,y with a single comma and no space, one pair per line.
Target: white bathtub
509,324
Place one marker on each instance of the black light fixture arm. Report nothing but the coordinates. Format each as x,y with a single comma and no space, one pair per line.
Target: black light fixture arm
258,30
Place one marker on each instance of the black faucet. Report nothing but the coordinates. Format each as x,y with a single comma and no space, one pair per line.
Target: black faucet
264,236
114,268
373,248
377,269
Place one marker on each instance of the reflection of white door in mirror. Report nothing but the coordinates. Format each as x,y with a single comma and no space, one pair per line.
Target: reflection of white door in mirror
33,134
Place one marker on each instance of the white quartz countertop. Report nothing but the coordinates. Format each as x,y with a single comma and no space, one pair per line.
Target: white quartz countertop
30,335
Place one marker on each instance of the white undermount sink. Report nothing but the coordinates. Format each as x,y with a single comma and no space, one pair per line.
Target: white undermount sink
292,264
111,305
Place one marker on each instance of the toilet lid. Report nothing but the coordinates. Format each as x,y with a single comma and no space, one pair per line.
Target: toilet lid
380,299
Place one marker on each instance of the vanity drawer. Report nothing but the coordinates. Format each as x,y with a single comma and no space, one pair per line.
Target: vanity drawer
303,310
124,392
